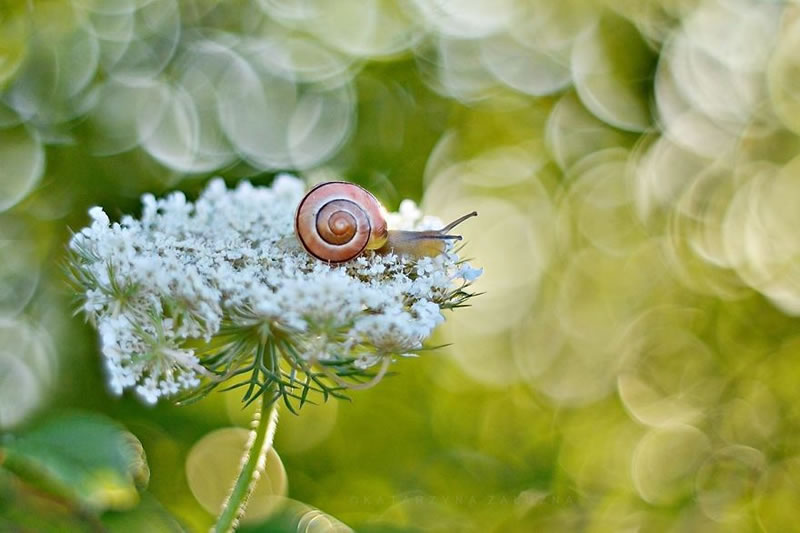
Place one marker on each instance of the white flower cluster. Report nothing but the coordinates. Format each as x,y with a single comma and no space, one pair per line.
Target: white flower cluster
159,287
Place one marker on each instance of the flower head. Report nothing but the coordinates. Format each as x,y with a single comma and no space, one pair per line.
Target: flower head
194,294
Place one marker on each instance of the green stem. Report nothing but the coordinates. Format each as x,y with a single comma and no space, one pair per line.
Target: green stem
253,461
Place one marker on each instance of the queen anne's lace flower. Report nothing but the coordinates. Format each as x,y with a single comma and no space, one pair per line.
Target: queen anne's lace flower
186,294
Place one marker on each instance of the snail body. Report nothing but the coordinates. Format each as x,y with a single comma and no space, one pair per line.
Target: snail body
336,221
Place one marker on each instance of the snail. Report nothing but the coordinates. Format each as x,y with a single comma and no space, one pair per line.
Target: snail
336,221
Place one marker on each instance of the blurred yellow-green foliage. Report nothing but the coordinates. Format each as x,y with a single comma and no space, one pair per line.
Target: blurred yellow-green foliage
634,362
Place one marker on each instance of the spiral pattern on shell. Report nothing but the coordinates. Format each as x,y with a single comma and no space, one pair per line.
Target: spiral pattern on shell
337,221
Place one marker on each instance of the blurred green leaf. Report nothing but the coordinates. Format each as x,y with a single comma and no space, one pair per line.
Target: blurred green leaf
148,516
84,458
25,509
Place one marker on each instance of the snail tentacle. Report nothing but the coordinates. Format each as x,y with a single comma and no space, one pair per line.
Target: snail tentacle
458,221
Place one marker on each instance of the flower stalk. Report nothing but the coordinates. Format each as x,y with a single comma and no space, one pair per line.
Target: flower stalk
254,460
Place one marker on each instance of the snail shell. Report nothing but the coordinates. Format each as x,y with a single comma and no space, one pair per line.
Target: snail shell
336,221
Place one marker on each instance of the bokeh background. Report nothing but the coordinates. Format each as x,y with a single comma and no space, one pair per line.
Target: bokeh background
634,362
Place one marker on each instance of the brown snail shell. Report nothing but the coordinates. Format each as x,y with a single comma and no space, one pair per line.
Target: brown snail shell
336,221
